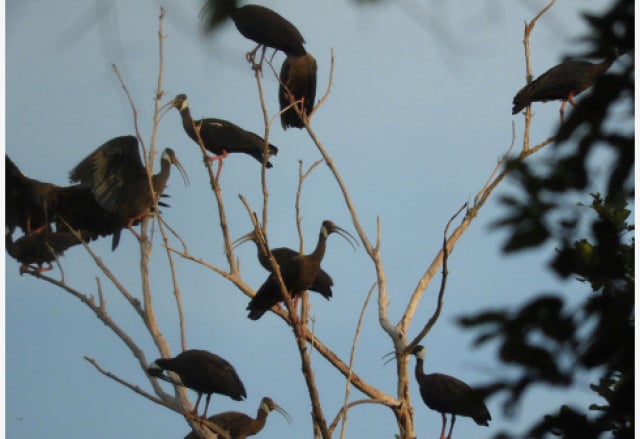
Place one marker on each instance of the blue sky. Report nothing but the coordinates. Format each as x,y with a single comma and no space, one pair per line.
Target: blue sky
418,115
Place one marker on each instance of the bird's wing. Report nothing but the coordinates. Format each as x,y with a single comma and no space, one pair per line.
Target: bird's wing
109,170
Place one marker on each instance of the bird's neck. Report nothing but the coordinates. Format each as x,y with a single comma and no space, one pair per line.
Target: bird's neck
318,253
188,123
419,368
261,419
160,179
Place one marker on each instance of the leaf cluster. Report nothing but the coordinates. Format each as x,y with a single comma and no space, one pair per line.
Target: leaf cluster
545,340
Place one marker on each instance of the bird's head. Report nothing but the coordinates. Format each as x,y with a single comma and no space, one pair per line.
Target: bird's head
154,369
180,102
328,227
419,351
169,155
267,404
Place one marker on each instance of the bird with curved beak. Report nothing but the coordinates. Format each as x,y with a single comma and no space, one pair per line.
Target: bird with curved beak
322,283
239,425
298,273
119,181
220,137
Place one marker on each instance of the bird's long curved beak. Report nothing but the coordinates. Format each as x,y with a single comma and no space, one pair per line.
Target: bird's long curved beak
165,108
185,177
248,237
283,412
348,236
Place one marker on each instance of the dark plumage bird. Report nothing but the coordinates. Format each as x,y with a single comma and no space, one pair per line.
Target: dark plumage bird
446,394
29,203
562,82
298,77
32,251
220,136
322,283
258,23
203,372
298,273
119,182
239,425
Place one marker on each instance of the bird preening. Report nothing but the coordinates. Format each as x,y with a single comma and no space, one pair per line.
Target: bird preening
298,78
448,395
239,425
299,273
202,371
562,82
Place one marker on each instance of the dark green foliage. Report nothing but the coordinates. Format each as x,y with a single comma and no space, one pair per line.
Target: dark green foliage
545,340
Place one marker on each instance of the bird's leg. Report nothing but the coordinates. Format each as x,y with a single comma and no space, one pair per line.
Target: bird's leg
444,425
453,421
194,412
206,406
26,268
138,217
264,49
32,232
564,103
220,158
273,55
570,98
250,56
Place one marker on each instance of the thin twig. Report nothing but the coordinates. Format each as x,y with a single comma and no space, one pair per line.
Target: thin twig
434,318
347,390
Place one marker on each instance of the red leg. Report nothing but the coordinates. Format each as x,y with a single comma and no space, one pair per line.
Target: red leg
570,98
130,225
250,56
444,425
26,268
564,103
220,158
31,232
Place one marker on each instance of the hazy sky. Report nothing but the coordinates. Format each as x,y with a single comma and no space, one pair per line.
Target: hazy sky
418,115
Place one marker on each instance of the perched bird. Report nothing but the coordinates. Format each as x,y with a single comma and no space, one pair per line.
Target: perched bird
239,425
29,202
562,82
322,283
220,136
298,77
446,394
298,273
119,182
76,207
32,203
203,372
32,251
258,23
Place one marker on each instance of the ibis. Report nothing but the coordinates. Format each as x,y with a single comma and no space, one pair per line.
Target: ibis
204,372
298,273
446,394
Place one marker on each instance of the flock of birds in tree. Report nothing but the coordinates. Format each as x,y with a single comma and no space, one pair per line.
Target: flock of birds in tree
111,190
